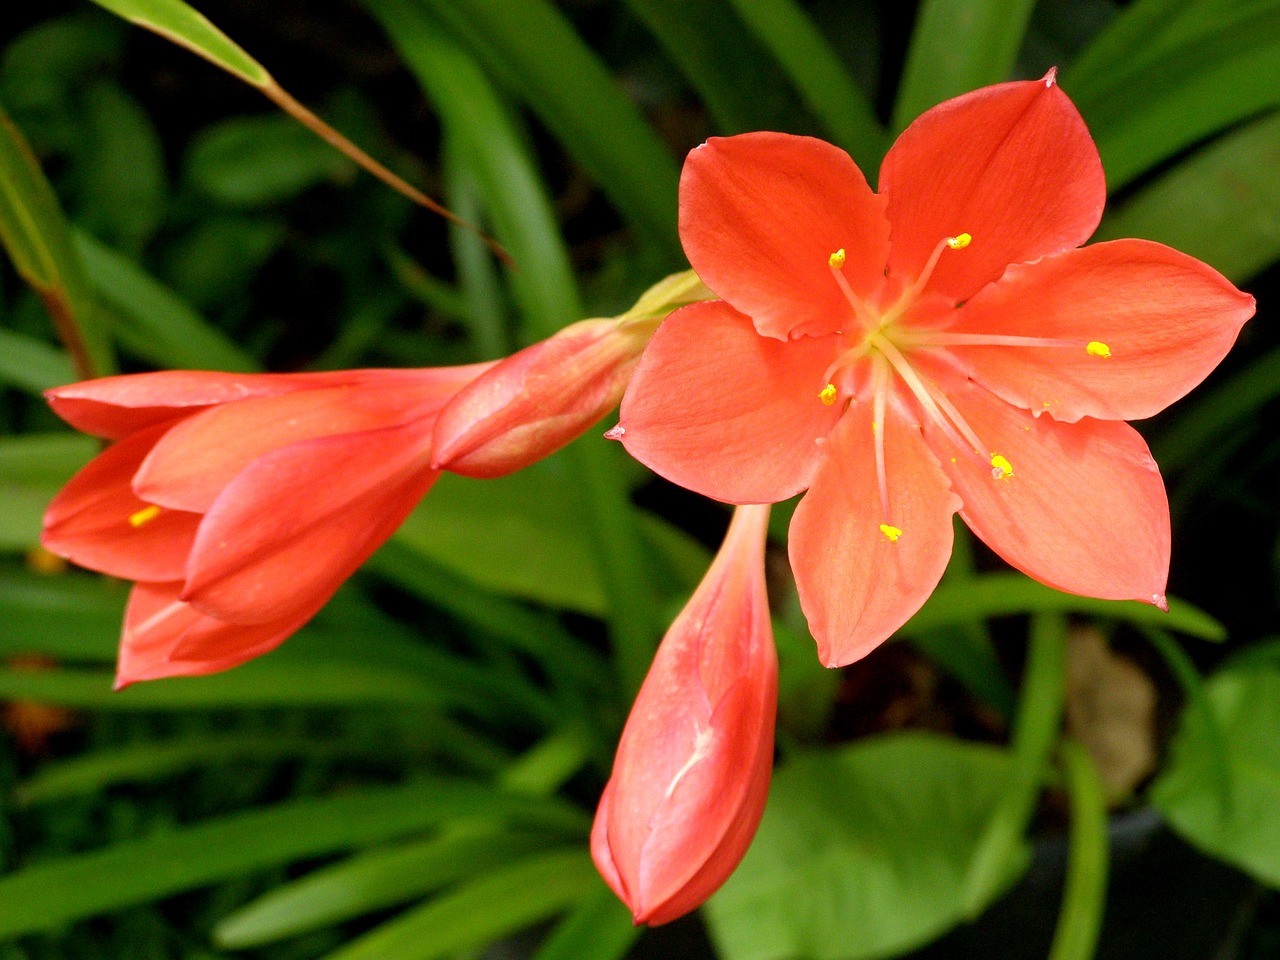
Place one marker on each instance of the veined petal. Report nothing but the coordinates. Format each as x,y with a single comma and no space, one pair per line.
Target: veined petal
1164,319
861,573
164,637
723,411
295,523
760,216
693,764
1081,507
1011,165
98,522
198,457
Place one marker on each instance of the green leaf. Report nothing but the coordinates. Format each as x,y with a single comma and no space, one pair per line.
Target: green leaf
1217,204
369,882
1085,896
251,161
1154,107
187,27
475,914
48,894
719,58
44,458
1003,594
32,365
71,618
37,237
159,324
958,46
599,927
862,852
1246,706
819,76
537,56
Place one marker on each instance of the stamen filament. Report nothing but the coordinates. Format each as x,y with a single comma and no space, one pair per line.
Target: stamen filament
881,374
958,242
860,309
943,338
934,402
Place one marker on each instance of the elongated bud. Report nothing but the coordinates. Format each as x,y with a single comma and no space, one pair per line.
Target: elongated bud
693,765
534,402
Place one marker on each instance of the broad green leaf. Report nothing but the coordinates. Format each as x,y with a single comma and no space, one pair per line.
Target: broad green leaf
476,913
44,458
250,161
1128,35
536,54
1150,110
819,76
48,894
1085,898
74,619
368,882
20,520
863,851
958,46
1246,705
32,365
1219,204
1004,594
719,58
159,324
37,237
1035,733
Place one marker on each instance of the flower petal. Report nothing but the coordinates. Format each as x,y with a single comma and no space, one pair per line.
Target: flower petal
1165,318
694,761
198,457
98,522
164,637
723,411
1012,165
1084,509
857,586
295,523
761,214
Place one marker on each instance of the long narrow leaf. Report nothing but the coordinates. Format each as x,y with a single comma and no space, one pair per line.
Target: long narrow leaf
32,365
599,927
958,46
51,893
38,239
1085,897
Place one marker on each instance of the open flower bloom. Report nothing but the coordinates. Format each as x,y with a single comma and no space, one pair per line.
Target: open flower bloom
534,402
240,502
939,346
693,765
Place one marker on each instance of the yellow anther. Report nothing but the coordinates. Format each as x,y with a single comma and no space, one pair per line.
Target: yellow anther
893,533
836,260
1096,348
828,394
1001,469
960,241
875,427
145,515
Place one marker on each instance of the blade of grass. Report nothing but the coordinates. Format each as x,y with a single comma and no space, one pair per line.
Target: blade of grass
48,894
1085,897
537,56
1035,732
38,239
187,27
958,46
818,75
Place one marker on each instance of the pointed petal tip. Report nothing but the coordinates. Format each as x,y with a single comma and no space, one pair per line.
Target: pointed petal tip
616,432
1160,602
1051,78
120,683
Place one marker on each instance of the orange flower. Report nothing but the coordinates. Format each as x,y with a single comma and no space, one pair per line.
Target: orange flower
693,765
939,346
240,502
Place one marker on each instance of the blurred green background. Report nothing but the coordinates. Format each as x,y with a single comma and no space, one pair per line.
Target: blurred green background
413,775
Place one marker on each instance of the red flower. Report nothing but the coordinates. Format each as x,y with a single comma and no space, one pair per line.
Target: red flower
240,502
693,765
896,354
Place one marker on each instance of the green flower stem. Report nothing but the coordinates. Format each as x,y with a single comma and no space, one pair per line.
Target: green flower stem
1085,898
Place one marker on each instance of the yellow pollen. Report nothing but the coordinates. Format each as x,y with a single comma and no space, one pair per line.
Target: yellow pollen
145,515
836,260
1001,469
959,242
893,533
1097,349
875,427
828,394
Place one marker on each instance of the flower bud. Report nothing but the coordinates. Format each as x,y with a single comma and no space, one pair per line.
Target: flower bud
694,761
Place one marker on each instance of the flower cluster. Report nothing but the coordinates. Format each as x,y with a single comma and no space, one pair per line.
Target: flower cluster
944,345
